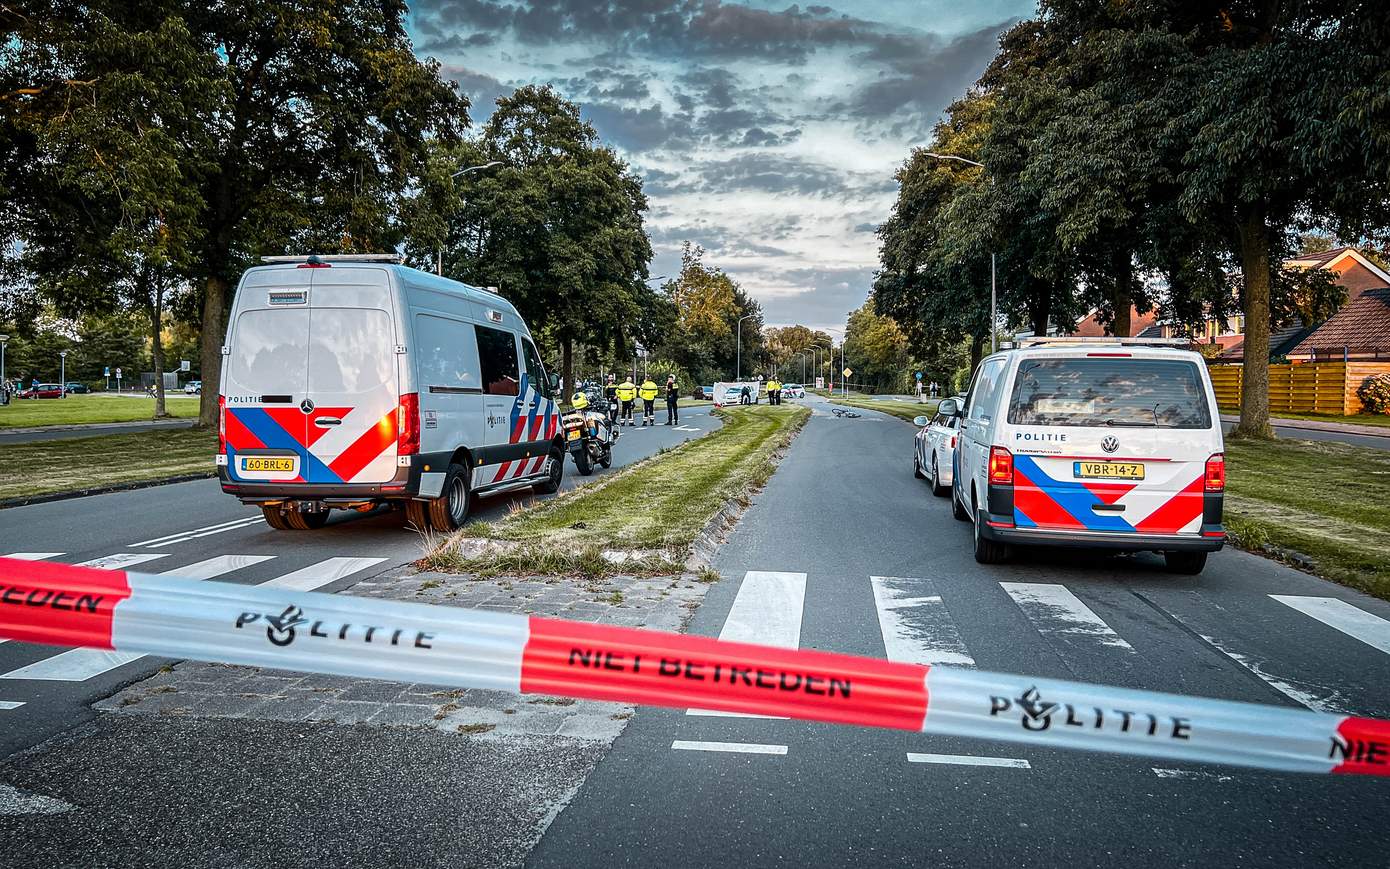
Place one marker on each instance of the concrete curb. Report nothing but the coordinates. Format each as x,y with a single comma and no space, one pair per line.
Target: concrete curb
103,490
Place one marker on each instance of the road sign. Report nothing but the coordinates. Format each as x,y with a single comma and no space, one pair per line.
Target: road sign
848,372
107,372
919,375
184,365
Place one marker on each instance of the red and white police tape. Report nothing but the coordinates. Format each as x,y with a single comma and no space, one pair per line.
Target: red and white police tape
409,642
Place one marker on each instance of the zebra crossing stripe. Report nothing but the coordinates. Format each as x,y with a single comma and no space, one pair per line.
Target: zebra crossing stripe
1055,611
265,625
33,556
767,610
916,627
1372,630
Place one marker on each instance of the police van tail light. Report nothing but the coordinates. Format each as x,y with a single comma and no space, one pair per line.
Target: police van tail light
1001,466
1215,477
221,425
408,425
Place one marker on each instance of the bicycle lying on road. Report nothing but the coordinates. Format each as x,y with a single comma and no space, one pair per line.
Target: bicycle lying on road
845,413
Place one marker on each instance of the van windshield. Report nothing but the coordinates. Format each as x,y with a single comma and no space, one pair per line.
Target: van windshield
1164,393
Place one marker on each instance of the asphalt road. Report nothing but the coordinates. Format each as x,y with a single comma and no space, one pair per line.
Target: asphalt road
193,529
796,793
55,433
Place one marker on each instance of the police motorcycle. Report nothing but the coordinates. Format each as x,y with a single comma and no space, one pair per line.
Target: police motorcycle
589,432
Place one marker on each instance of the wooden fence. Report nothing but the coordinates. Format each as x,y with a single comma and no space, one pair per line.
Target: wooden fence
1309,387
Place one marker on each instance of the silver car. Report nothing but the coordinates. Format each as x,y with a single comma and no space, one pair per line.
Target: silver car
934,444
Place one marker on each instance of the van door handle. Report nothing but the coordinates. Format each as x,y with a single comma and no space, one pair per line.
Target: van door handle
326,421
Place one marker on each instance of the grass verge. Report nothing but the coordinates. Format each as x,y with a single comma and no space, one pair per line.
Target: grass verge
907,410
1380,420
90,410
73,464
657,505
1315,504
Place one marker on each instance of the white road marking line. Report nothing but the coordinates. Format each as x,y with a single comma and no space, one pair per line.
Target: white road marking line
158,540
968,760
246,524
14,801
318,575
731,747
1191,774
1321,700
121,560
6,705
767,610
78,665
917,630
1372,630
217,566
1053,609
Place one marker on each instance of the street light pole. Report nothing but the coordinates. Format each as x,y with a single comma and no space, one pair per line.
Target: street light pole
63,373
738,352
4,339
993,295
439,265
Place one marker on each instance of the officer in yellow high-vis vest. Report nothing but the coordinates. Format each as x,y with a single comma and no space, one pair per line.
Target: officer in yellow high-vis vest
648,391
774,391
627,394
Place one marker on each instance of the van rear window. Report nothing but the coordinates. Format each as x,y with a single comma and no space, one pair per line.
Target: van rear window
1163,393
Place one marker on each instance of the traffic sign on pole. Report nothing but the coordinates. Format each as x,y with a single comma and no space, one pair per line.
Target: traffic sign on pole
848,372
919,375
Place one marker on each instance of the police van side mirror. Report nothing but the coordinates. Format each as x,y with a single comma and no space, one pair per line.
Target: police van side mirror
554,381
948,407
920,421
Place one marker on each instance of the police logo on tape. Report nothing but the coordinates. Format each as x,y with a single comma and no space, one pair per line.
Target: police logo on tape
282,629
1037,715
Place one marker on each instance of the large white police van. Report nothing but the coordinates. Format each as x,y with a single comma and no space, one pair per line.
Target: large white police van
353,381
1105,443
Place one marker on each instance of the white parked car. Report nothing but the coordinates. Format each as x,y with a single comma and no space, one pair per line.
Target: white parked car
355,381
934,445
793,390
193,387
1104,443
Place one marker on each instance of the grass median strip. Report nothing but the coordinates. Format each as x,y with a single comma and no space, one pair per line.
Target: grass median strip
71,464
1316,504
657,505
90,410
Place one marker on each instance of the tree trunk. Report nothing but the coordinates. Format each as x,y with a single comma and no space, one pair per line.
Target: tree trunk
1039,305
977,351
210,348
156,297
1123,296
1254,265
566,369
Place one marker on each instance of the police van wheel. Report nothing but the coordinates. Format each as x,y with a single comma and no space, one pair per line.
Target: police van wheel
274,517
936,488
987,551
582,463
450,510
306,521
958,511
1188,563
417,514
917,468
551,484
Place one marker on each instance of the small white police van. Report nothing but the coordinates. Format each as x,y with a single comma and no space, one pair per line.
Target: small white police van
352,381
1105,443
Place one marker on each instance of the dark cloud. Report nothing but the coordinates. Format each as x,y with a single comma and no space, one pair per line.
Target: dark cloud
777,173
638,129
481,89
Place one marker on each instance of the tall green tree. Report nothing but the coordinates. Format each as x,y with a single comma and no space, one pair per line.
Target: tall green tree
558,227
301,125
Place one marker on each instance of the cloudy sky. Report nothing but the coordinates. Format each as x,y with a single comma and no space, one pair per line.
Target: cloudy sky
766,133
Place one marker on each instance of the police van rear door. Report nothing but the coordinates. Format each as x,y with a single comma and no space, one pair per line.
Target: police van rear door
352,413
266,377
